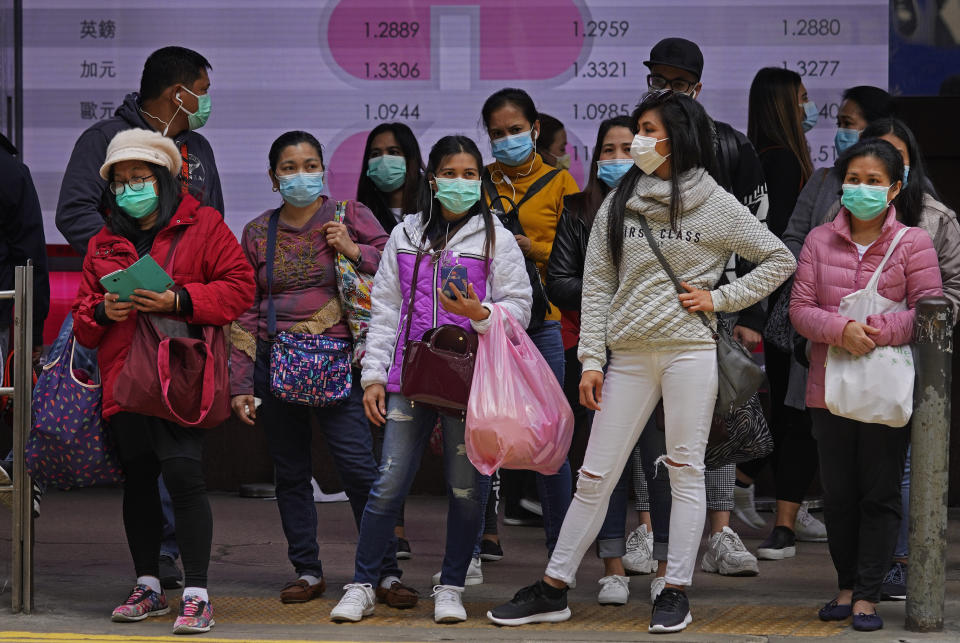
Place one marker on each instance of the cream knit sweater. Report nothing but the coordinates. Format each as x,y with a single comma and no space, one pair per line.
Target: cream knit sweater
636,307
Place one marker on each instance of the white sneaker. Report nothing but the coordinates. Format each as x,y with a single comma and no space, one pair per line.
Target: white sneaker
358,601
614,590
744,507
727,556
474,574
656,587
639,556
808,528
448,604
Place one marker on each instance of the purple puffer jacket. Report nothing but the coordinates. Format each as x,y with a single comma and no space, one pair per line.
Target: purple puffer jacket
504,283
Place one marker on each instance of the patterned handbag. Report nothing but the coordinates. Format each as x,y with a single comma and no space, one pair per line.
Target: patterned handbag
742,436
309,369
66,447
355,288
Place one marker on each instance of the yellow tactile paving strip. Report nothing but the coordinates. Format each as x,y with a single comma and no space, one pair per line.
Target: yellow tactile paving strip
736,620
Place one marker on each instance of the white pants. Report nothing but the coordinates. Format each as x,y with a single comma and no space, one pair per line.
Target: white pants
635,382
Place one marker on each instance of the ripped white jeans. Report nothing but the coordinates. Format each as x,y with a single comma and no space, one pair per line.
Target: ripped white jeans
634,383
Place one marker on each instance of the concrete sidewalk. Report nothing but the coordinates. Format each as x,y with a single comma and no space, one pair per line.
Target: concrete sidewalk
83,570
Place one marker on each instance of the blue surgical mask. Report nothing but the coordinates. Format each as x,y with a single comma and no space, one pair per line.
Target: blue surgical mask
811,114
387,172
845,138
612,171
302,189
866,202
514,149
906,173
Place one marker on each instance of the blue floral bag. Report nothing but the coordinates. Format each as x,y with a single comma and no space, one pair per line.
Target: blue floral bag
309,369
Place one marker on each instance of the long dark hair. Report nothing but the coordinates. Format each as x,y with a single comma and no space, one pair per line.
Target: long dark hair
168,191
691,145
909,202
436,227
595,191
368,193
878,149
773,119
873,102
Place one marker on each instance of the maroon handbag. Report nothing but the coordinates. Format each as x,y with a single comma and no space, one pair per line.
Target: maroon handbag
176,371
437,370
175,376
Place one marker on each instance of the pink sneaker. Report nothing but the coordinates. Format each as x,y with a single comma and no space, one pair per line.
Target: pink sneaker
142,603
196,616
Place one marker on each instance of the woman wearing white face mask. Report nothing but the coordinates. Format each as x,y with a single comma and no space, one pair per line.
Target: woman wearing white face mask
552,142
297,293
657,347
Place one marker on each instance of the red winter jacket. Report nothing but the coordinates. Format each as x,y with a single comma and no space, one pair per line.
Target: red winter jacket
830,268
208,263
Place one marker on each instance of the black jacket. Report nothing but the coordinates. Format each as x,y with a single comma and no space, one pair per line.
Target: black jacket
565,268
83,194
21,238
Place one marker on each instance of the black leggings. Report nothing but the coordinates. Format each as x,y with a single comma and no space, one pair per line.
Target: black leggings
147,447
794,457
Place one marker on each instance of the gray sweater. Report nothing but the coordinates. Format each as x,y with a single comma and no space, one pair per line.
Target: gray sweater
635,306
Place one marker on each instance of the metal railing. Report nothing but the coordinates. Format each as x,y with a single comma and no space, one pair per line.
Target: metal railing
21,393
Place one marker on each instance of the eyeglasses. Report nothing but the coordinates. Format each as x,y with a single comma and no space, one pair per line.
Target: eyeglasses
656,81
136,184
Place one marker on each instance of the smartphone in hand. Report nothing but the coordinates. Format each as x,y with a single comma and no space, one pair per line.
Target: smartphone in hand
456,275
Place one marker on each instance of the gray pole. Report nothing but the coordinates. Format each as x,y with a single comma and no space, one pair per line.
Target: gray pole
929,465
22,567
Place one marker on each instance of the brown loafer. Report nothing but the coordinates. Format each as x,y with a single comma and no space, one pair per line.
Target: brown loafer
299,591
399,596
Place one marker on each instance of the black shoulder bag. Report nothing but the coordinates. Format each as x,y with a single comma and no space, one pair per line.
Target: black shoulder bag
511,221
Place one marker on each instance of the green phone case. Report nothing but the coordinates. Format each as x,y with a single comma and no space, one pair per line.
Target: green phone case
145,274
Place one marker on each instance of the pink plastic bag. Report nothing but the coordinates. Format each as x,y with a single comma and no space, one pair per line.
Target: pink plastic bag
517,416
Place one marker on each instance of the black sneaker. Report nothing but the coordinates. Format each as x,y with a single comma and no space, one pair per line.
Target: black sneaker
170,576
490,550
403,549
894,587
671,612
520,517
532,604
780,544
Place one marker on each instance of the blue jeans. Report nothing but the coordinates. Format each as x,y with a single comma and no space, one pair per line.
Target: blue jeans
652,445
555,491
168,546
408,429
903,538
289,435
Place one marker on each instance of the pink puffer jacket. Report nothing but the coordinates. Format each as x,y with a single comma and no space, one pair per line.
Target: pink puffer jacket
830,268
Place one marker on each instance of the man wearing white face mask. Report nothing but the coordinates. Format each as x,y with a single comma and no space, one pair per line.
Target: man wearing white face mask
173,100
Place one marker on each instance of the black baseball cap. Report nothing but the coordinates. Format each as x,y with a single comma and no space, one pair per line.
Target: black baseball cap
677,52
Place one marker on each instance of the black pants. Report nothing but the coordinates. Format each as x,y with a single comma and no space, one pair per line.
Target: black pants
794,457
148,446
860,467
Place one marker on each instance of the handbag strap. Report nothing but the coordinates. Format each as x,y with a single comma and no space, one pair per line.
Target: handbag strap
494,195
271,255
875,279
666,266
416,273
208,387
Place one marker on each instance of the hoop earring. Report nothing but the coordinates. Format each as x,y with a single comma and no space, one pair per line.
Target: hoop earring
275,189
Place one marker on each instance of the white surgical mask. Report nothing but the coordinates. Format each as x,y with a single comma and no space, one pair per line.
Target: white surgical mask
644,153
